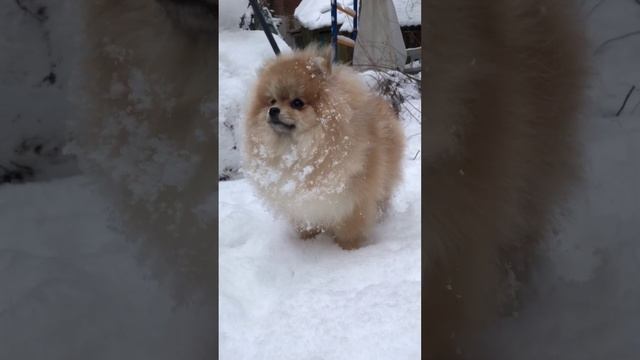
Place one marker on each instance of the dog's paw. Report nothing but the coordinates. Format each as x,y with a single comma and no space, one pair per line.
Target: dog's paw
349,244
308,233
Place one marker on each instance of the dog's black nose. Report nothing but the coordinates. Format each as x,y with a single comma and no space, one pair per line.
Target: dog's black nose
274,111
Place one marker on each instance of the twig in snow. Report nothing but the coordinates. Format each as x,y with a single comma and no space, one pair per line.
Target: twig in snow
626,98
41,16
413,135
604,44
384,68
18,174
596,6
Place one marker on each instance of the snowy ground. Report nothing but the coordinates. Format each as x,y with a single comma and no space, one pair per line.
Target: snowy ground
293,299
236,71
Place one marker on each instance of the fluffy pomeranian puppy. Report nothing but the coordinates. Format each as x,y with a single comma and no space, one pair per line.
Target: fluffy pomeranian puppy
502,86
148,130
320,147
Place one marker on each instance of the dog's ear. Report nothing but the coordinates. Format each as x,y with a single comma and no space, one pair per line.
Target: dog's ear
321,58
322,65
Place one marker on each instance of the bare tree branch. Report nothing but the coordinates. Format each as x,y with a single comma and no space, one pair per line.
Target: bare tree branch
621,37
626,98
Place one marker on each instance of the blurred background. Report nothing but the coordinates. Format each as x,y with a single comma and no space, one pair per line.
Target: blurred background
72,286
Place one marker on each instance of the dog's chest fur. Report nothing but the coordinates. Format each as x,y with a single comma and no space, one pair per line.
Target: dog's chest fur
306,178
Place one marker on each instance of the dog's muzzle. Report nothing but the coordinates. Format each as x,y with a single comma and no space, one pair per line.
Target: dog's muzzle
278,125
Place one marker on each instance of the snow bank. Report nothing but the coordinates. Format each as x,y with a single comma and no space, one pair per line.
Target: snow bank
294,299
409,12
230,12
317,14
314,14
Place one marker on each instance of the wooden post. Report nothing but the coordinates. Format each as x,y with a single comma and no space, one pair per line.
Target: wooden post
346,41
345,10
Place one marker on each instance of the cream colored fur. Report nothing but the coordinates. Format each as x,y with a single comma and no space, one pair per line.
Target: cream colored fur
341,162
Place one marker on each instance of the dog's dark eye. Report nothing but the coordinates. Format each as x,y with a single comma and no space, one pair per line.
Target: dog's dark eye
297,103
272,101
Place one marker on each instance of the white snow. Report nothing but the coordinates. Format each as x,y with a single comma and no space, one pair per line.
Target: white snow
314,14
409,12
317,14
295,299
230,12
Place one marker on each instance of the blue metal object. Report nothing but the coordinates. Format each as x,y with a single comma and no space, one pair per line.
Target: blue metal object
334,29
354,34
